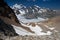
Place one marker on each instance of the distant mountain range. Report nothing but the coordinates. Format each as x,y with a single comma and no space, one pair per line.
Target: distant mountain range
33,12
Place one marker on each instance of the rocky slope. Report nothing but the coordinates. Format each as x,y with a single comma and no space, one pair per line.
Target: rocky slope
6,29
6,13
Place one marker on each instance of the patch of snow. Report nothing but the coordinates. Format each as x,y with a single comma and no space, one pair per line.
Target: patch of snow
21,31
36,9
33,10
22,12
52,28
17,6
37,29
46,26
37,6
49,33
39,11
24,20
27,10
43,10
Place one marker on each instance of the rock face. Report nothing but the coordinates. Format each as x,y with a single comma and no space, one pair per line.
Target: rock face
7,29
6,12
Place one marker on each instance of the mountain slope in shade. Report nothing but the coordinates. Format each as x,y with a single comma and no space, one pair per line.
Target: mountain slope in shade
6,29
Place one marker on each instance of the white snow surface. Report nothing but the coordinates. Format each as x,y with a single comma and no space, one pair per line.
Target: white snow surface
24,20
38,30
21,31
22,12
17,6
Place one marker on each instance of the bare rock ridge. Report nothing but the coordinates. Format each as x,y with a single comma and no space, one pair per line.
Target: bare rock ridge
7,29
6,12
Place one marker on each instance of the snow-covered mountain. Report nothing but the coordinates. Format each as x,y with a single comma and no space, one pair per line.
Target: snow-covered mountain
33,12
31,17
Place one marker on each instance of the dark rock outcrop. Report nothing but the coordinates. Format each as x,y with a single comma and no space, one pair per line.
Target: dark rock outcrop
7,29
6,13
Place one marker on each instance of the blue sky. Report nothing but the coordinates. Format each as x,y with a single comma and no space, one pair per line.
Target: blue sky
52,4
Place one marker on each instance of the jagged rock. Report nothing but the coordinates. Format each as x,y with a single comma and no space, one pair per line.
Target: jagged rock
6,11
5,28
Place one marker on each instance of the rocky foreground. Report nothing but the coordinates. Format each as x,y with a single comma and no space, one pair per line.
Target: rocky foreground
54,36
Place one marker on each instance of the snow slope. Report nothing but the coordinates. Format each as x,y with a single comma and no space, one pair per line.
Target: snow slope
24,20
38,31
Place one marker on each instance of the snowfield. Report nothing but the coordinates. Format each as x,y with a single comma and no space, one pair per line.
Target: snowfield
24,20
37,30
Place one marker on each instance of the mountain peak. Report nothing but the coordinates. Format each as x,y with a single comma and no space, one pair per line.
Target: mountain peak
37,6
33,12
18,6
